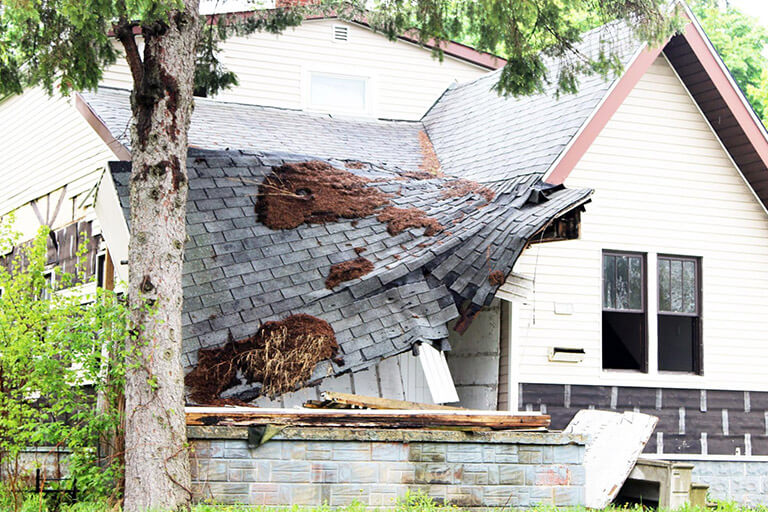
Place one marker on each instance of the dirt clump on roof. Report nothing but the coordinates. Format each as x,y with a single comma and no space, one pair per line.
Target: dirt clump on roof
280,356
314,192
417,175
359,250
348,270
496,278
400,219
462,187
429,161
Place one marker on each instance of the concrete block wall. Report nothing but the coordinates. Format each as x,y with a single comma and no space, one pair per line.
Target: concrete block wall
741,481
313,466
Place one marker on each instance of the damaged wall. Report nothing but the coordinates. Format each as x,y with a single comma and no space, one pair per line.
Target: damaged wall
399,378
474,359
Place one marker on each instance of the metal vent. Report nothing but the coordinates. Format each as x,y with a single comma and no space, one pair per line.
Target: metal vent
340,33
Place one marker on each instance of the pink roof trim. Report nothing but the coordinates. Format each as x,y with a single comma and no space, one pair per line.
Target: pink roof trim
605,111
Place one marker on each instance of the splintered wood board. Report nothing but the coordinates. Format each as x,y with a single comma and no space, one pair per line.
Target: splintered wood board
370,418
372,402
616,440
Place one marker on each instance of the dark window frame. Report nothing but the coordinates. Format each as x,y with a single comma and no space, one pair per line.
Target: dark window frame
643,299
698,356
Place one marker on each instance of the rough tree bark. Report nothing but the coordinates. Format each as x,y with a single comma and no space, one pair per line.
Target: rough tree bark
156,459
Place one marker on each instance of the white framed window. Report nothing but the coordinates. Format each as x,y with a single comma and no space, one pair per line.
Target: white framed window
338,93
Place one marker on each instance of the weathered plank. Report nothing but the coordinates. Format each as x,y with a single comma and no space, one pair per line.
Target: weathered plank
369,418
372,402
616,441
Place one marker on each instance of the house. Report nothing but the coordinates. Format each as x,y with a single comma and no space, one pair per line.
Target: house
474,232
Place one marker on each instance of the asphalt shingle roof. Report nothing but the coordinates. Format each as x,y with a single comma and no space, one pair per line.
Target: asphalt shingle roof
221,125
238,273
482,136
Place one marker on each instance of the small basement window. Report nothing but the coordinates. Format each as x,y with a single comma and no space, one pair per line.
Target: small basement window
679,314
625,340
336,93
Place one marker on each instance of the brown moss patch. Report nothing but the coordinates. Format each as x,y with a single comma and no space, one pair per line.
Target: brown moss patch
417,175
359,250
354,165
280,356
496,278
400,219
314,192
462,187
429,161
348,270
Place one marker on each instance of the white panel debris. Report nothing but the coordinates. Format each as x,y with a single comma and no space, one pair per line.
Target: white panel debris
616,441
438,375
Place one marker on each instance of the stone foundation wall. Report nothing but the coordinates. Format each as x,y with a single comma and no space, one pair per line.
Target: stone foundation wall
314,466
741,481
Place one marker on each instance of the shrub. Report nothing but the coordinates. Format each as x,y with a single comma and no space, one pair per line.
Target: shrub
61,372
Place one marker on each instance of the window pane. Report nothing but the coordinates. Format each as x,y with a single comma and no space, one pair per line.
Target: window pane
609,291
622,283
676,283
664,292
635,283
689,287
337,92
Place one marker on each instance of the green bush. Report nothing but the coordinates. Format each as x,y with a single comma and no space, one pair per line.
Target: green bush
61,373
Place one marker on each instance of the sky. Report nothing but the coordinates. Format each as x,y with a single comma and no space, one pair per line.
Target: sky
757,8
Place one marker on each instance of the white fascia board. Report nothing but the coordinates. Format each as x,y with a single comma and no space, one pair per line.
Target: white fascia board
114,226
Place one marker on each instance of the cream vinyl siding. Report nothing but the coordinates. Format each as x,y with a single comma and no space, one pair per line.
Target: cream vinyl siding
403,79
45,144
663,185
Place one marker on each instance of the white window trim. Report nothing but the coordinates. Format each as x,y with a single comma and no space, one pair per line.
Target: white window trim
371,93
654,377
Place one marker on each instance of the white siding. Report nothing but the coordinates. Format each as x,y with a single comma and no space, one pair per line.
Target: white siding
45,143
273,70
663,184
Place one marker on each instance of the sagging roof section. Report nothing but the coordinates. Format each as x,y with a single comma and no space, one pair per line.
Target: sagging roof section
239,273
222,125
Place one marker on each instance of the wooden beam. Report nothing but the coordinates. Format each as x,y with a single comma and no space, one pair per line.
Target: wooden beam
366,418
372,402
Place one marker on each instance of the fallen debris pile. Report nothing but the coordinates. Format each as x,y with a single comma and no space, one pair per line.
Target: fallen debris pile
348,270
315,192
280,356
366,418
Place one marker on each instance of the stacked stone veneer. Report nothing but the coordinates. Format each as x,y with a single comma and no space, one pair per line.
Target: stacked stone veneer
314,466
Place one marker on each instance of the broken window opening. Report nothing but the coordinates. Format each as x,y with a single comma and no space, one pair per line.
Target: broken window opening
625,340
679,317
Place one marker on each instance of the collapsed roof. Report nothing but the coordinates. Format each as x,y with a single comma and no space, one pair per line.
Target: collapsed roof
239,272
436,248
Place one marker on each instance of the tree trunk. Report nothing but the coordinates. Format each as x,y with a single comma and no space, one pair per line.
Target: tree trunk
156,459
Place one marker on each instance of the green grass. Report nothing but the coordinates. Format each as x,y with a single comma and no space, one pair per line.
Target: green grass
411,503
